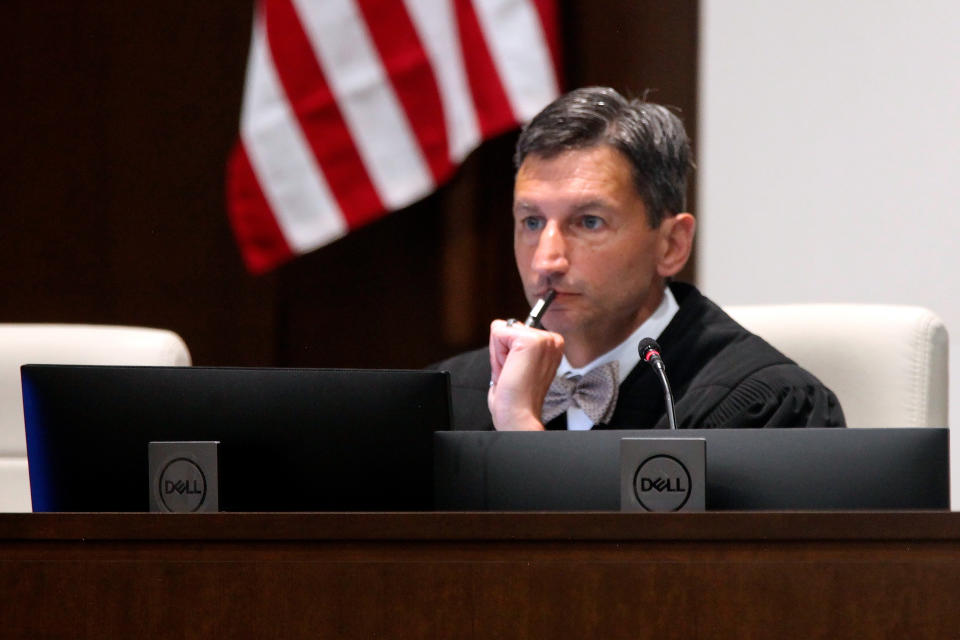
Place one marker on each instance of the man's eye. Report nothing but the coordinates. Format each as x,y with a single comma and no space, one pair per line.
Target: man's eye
532,224
591,222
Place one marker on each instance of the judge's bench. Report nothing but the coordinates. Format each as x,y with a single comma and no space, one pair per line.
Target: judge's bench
480,575
362,569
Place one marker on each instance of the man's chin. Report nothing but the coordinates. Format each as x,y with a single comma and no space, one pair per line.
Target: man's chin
561,321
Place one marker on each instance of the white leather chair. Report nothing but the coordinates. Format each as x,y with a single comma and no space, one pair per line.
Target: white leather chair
887,364
63,344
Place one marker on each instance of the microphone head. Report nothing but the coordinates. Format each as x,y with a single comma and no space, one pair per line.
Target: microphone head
648,348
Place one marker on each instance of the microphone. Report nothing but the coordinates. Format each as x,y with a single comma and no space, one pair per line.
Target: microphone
650,352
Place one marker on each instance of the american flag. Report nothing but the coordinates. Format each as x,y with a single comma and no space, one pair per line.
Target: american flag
355,108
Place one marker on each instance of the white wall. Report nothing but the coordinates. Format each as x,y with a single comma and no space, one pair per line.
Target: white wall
829,157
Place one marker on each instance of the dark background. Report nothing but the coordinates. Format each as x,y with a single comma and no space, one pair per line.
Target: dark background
118,118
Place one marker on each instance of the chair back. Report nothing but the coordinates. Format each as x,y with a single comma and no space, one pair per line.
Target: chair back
887,364
63,344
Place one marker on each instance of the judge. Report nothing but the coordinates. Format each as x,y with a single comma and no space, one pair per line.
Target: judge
600,218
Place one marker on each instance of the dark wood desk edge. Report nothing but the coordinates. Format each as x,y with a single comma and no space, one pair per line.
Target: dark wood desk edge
919,526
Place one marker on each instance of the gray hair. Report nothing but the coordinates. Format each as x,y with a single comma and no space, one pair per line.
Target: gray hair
649,135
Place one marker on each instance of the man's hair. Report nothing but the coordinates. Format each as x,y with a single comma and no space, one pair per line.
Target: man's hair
649,135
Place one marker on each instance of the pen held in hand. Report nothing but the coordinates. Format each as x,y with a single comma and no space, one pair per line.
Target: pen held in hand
540,308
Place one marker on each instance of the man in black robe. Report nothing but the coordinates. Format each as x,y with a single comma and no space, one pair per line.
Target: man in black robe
599,212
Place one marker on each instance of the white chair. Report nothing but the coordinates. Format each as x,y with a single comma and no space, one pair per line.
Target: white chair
63,344
887,364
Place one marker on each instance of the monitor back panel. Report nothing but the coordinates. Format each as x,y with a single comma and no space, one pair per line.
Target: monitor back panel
762,469
290,439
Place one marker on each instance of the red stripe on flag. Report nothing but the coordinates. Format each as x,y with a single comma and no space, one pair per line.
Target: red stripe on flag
550,21
489,98
320,119
261,241
411,76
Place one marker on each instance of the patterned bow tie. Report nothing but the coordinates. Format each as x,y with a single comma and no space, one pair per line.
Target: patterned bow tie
594,393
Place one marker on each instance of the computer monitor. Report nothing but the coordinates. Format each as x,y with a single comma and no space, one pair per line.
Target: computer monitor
746,469
290,439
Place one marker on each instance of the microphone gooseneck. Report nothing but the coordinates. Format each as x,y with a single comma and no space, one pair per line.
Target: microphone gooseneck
650,353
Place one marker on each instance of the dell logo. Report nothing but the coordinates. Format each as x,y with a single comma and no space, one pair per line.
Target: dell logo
673,485
183,485
662,483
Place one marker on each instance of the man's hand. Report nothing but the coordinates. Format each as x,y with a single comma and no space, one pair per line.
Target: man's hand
523,363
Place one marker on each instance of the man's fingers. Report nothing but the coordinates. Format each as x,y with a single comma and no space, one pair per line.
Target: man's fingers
503,337
506,338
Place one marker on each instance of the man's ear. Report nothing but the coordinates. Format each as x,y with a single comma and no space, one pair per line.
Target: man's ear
676,243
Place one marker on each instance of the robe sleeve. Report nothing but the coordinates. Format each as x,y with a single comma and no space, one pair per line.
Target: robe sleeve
776,396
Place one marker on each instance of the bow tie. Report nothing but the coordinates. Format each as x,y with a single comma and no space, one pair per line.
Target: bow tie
594,393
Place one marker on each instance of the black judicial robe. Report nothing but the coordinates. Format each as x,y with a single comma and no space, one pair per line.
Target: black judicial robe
722,376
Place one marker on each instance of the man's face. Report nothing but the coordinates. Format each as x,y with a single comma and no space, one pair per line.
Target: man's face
581,228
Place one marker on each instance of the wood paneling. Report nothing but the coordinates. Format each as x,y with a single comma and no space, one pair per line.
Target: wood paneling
118,123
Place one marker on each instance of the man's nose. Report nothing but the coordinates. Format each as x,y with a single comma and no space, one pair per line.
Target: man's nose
551,254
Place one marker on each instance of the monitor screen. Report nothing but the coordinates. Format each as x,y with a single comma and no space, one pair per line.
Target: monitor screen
290,439
746,469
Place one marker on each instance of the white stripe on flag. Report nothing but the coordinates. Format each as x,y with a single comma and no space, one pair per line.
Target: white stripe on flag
437,27
519,50
284,165
373,114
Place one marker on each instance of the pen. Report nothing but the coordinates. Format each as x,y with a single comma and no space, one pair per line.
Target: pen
536,313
